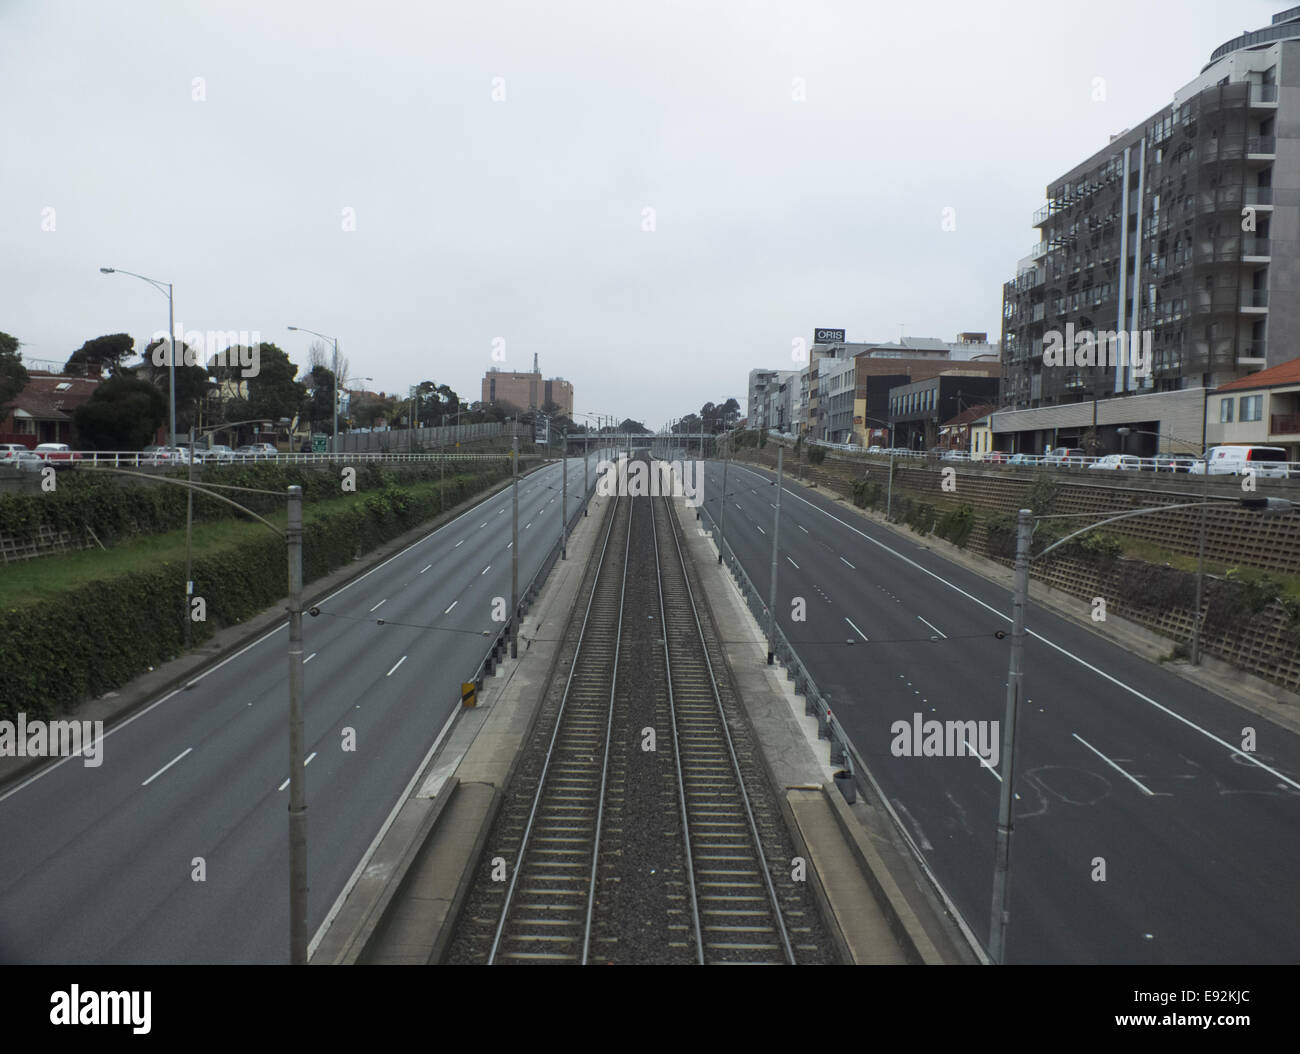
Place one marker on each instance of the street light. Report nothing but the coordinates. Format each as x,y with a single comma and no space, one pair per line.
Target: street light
171,337
1195,656
1001,912
334,415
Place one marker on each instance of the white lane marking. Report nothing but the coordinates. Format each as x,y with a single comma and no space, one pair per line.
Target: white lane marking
738,506
996,775
166,767
462,541
509,545
859,632
309,757
793,564
760,529
453,604
920,834
484,523
1053,645
383,830
398,663
528,524
283,785
934,627
380,604
843,561
425,568
1144,790
485,570
249,646
802,527
309,658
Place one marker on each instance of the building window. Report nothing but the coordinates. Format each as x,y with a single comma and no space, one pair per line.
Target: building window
1225,411
1252,407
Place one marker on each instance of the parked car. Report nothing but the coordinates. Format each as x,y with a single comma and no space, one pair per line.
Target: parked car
219,453
1066,457
255,451
164,455
11,452
58,453
877,449
1175,463
998,457
1021,459
955,455
1269,462
1125,462
27,461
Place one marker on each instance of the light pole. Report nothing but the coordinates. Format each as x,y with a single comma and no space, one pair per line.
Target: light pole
171,342
297,785
514,549
776,533
1001,910
1195,654
564,492
334,415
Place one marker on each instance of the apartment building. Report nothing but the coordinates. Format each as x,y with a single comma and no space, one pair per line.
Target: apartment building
1167,261
528,391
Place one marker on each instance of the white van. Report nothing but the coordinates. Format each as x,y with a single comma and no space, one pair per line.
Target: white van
1268,462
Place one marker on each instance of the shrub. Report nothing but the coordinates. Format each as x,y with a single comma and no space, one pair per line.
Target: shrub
94,638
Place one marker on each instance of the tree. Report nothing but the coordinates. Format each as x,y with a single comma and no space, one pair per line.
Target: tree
274,393
635,427
192,383
103,355
318,404
13,374
122,414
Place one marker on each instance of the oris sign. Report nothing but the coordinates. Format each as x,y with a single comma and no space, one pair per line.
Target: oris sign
828,336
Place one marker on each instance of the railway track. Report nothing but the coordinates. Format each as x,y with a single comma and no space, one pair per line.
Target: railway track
639,827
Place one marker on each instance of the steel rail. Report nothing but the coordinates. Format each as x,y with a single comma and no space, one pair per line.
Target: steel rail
677,754
731,750
559,720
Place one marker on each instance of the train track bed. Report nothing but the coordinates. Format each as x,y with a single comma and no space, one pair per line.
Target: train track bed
639,826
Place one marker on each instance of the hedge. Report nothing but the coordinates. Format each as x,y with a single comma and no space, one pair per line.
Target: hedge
97,637
116,507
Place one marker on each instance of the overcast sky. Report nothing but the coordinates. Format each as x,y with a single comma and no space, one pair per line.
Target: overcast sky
220,146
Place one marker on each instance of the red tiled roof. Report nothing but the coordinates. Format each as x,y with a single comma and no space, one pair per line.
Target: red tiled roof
43,400
971,413
1286,373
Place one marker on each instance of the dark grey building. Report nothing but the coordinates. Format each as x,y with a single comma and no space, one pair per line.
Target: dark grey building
1181,233
917,410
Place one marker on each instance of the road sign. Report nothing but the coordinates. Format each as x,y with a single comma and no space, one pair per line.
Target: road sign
469,694
318,444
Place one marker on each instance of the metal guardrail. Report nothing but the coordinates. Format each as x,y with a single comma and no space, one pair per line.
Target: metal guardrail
139,459
815,702
501,642
1169,462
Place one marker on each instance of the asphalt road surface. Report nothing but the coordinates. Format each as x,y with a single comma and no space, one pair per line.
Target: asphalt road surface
1120,764
99,864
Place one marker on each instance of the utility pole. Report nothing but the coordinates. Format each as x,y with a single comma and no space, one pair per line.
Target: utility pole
564,492
514,550
889,500
297,776
776,533
1006,819
189,529
586,489
722,522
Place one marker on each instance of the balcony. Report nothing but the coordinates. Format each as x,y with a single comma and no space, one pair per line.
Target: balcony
1255,249
1254,300
1263,95
1284,424
1038,251
1257,196
1261,147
